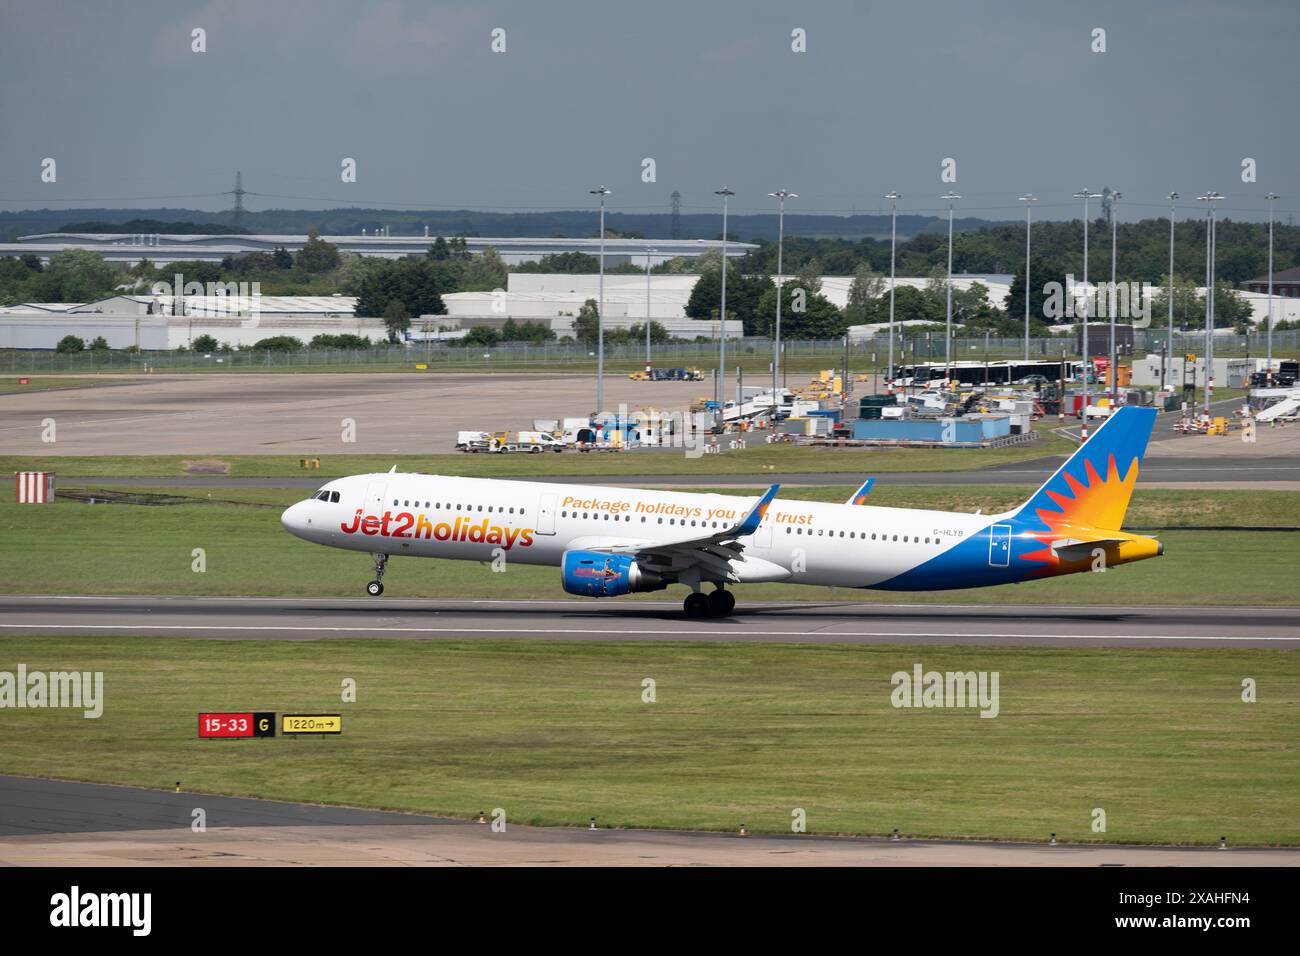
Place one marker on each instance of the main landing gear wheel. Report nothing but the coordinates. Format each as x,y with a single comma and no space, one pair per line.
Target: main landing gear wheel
696,604
721,603
376,587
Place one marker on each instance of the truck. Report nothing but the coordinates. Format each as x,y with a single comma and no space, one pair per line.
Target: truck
668,375
531,442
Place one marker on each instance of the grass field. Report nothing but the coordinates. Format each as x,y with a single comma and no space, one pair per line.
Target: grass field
44,383
557,732
751,462
799,358
74,548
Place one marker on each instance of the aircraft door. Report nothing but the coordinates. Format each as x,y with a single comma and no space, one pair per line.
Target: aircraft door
546,515
374,501
999,546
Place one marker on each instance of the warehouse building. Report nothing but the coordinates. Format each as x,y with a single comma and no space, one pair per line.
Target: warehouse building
163,249
149,323
1286,284
555,300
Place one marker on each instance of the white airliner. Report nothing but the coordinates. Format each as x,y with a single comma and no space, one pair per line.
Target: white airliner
609,541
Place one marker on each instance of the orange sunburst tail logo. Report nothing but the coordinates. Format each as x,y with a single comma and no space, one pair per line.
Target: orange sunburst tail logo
1090,493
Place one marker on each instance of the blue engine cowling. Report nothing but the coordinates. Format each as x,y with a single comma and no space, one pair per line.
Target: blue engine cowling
597,574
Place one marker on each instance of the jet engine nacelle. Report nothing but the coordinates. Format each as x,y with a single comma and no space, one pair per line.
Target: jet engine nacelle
597,574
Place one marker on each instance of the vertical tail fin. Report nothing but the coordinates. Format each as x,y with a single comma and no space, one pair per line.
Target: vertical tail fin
1092,489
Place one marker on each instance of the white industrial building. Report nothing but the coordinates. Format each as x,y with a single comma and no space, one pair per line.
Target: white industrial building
1152,371
555,301
162,249
552,299
149,323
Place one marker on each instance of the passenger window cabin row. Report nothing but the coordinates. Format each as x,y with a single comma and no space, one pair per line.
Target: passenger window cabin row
606,516
450,506
862,535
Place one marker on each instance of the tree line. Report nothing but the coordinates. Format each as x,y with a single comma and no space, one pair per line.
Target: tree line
401,290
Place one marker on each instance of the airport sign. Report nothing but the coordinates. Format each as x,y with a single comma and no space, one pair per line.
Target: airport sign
236,725
311,724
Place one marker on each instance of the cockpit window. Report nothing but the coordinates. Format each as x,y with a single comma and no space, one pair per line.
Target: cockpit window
334,496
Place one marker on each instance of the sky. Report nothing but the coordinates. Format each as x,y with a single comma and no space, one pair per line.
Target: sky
1016,93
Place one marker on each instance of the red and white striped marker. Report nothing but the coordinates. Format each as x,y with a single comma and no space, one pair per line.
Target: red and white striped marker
34,487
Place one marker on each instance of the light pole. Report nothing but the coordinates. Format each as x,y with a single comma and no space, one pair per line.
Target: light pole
1112,300
1028,199
1210,198
781,195
649,251
1270,197
1169,343
602,192
726,193
1085,195
893,198
947,343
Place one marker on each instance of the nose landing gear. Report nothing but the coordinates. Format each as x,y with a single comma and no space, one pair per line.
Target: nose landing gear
376,587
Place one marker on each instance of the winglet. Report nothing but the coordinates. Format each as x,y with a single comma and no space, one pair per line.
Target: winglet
859,497
393,470
749,523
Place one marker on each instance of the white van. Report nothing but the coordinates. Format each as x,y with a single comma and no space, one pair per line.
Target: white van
473,441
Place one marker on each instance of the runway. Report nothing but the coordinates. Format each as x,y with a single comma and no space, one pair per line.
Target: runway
54,823
652,620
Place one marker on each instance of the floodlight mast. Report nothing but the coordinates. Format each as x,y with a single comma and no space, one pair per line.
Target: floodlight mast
893,196
1028,199
781,195
726,193
601,192
947,342
1085,194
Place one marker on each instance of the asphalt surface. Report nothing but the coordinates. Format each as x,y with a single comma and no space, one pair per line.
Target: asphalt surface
51,823
652,620
32,806
308,414
385,413
1190,471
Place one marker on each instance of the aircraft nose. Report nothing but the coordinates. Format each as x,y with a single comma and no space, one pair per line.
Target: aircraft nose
295,520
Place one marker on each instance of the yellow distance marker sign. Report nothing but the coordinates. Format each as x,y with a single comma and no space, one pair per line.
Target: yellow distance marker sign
311,723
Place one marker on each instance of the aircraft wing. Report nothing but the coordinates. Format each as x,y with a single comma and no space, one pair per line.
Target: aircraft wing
715,551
